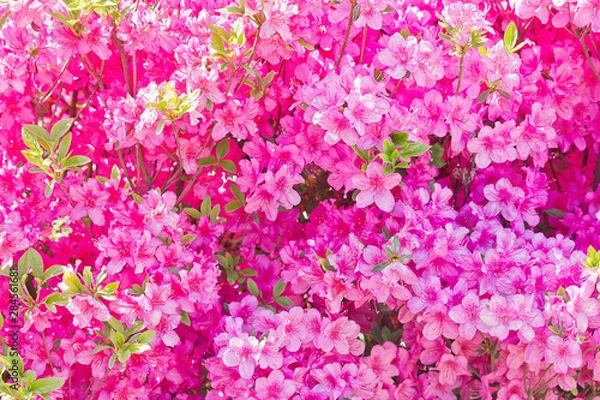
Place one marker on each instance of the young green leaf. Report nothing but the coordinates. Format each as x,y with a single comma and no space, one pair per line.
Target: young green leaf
76,161
228,166
222,149
61,128
252,287
207,161
279,288
510,37
31,258
46,385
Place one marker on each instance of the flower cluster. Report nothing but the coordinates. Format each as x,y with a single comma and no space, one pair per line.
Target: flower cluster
297,199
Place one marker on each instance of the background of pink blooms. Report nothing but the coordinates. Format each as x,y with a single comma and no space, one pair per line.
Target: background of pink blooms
304,199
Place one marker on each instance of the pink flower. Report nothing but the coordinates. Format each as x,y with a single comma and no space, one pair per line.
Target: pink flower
492,144
275,387
235,118
243,352
89,200
277,15
398,55
563,354
281,186
376,188
503,198
84,308
380,361
500,317
466,314
451,368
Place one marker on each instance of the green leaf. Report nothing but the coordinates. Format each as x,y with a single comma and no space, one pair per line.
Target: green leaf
147,336
504,94
306,45
111,287
222,149
31,258
235,190
510,37
207,161
284,302
64,146
37,131
483,96
60,128
189,238
214,213
279,288
228,166
361,154
87,276
115,173
252,287
55,298
46,385
206,206
437,152
160,127
554,212
112,361
49,189
233,205
76,161
185,318
388,147
137,198
414,149
381,266
249,272
192,212
98,349
399,138
117,326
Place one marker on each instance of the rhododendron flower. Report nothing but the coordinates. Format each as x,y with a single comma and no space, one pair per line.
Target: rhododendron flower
243,352
451,368
399,55
376,187
493,145
274,387
563,354
84,308
90,200
235,118
503,197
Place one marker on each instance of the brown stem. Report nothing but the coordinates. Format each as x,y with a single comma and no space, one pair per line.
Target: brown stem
460,71
347,36
363,45
47,351
62,71
125,170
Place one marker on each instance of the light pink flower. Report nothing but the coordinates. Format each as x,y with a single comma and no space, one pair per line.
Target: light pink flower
376,188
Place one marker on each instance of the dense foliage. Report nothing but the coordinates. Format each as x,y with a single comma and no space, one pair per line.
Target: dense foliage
300,199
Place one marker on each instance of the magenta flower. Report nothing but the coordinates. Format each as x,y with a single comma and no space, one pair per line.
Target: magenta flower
500,317
503,198
493,145
376,188
451,368
275,387
563,354
84,308
243,352
89,200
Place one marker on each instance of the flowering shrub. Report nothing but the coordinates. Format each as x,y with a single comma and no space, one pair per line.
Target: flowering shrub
358,199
